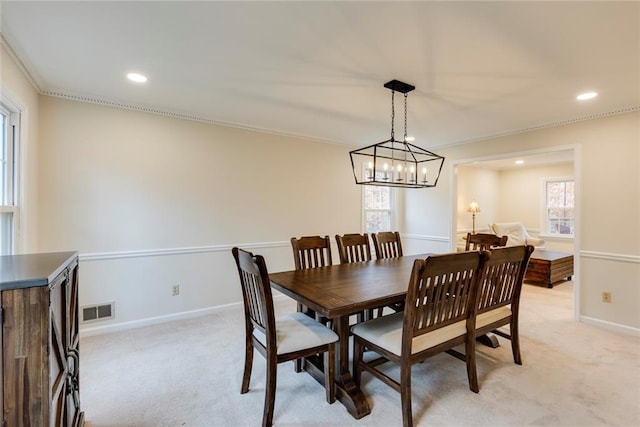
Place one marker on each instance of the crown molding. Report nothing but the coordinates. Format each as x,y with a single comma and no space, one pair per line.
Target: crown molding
23,68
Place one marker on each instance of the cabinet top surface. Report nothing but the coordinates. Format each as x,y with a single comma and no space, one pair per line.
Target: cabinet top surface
26,271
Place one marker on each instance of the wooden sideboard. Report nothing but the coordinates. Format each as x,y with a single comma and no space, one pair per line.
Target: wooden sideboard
40,340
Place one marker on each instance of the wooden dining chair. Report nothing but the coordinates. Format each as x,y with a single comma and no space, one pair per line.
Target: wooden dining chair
280,339
484,241
499,294
353,248
387,244
439,315
311,252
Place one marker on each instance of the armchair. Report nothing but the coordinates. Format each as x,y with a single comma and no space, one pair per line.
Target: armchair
516,232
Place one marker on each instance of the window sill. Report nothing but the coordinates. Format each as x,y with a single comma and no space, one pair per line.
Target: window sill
556,236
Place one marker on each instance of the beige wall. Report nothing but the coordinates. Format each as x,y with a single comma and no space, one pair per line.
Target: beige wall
16,89
506,196
151,201
608,237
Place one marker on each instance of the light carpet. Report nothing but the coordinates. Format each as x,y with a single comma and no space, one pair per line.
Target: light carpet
188,373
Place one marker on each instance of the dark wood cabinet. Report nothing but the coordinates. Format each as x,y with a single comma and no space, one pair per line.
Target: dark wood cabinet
40,340
549,267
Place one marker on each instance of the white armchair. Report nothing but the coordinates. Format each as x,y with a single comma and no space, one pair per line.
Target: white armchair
516,232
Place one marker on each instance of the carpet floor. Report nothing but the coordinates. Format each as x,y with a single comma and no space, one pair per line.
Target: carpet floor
188,373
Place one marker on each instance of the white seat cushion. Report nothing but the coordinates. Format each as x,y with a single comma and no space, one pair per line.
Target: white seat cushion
483,319
297,331
386,332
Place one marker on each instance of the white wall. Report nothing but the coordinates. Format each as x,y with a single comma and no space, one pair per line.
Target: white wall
151,201
478,185
607,170
522,199
17,90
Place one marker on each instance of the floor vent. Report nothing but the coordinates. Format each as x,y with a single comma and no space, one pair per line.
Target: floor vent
93,313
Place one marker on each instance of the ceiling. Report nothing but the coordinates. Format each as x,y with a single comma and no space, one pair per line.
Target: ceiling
317,69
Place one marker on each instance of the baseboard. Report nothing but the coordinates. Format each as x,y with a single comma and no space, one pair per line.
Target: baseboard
123,326
616,327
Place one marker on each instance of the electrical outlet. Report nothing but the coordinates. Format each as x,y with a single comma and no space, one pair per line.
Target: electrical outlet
175,290
606,297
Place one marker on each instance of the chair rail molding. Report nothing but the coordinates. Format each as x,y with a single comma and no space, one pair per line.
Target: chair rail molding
426,237
610,257
99,256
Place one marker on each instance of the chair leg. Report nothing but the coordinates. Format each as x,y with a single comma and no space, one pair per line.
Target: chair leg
329,373
248,363
270,391
515,343
470,358
405,396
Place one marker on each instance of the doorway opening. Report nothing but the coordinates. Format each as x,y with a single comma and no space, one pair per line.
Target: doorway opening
510,187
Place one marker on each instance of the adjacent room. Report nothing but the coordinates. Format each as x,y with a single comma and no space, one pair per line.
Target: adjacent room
176,174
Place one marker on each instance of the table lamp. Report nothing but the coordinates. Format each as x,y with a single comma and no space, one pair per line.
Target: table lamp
473,208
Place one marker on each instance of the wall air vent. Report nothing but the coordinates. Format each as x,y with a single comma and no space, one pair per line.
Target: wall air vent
94,313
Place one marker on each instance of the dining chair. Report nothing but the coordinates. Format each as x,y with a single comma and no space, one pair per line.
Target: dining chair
311,252
438,316
484,241
353,248
499,292
281,339
387,244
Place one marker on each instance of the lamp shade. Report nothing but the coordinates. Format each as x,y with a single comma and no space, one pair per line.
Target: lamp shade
473,207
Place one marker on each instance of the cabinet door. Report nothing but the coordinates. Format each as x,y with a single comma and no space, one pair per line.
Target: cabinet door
64,357
58,363
74,416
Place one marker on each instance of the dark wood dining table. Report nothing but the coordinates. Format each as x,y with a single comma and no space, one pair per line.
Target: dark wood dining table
339,291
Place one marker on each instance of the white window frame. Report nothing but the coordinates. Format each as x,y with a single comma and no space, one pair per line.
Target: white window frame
391,210
10,204
544,228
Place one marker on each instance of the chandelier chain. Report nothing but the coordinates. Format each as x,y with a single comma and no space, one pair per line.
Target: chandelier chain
405,118
393,112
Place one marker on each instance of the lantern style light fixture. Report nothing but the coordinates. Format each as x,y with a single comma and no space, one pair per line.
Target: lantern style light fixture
394,163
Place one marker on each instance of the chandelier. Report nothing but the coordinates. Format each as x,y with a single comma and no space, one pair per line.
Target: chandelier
394,163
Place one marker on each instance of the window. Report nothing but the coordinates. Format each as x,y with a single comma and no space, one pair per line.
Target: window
377,208
559,207
8,207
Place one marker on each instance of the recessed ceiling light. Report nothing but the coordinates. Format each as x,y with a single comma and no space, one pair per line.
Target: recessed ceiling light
586,95
138,78
410,139
519,162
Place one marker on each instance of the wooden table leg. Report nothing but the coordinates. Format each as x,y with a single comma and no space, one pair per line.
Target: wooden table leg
346,390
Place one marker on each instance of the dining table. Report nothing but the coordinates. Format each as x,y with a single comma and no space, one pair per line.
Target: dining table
339,291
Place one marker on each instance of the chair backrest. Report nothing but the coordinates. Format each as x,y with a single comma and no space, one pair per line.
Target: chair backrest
256,294
311,252
353,248
484,242
502,276
387,244
442,291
